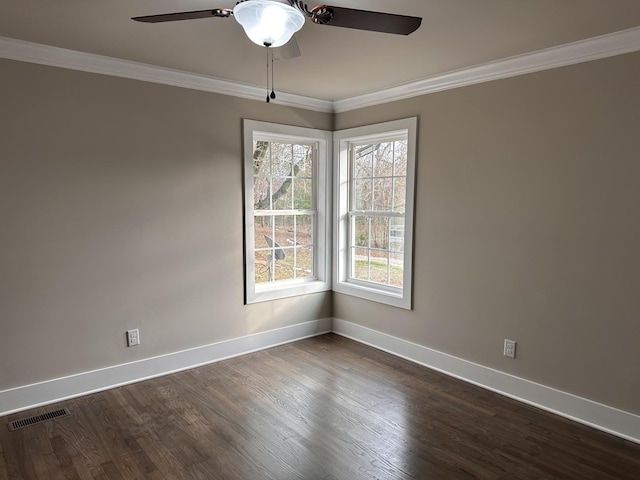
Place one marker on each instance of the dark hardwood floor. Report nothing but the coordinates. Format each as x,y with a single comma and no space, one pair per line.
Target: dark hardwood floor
322,408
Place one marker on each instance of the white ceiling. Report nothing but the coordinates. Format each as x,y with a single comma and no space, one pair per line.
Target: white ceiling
336,63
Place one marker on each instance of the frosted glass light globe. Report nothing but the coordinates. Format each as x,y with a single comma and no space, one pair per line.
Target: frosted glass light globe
268,22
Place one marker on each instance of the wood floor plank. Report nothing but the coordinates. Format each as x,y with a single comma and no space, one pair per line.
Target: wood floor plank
325,408
4,474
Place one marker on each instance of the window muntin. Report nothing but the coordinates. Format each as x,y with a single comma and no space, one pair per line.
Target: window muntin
284,210
378,175
286,195
374,182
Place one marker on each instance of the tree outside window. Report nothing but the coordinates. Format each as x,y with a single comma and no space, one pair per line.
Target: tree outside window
375,176
287,199
284,210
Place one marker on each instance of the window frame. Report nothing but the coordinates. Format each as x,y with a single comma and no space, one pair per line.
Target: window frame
342,141
322,189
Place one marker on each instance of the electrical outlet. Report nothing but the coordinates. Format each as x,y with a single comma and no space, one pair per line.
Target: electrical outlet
133,337
509,348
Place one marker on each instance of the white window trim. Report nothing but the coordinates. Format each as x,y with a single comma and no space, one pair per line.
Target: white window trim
261,293
341,142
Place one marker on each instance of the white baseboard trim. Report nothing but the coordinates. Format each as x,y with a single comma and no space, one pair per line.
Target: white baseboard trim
43,393
611,420
602,417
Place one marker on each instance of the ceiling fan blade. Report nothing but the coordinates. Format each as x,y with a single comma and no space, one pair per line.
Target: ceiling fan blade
373,21
288,51
172,17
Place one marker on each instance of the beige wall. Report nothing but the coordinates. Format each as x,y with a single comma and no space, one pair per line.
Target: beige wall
527,227
121,207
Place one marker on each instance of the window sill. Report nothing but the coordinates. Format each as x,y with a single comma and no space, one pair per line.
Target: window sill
374,294
276,291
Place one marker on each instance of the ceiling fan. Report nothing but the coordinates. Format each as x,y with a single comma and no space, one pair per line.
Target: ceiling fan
272,23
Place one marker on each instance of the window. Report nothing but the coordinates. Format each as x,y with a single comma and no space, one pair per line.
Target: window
373,244
287,190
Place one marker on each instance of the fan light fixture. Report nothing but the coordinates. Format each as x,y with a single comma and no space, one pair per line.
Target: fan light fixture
272,23
268,23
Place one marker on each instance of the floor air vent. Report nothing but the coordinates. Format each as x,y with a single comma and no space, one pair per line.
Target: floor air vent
26,422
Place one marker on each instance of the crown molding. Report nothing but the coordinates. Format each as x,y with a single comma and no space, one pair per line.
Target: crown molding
24,51
609,45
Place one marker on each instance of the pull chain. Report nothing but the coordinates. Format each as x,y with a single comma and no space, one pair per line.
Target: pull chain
267,48
273,93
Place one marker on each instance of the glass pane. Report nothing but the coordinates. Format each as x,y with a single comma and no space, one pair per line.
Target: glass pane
378,267
282,194
303,161
303,194
396,234
360,263
283,231
363,191
304,230
261,229
262,266
304,262
399,194
279,260
397,269
383,160
400,158
284,263
261,158
379,233
361,231
281,159
261,194
382,194
363,158
283,268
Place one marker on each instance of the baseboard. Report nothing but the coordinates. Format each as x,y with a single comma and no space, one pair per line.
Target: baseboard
582,410
43,393
602,417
